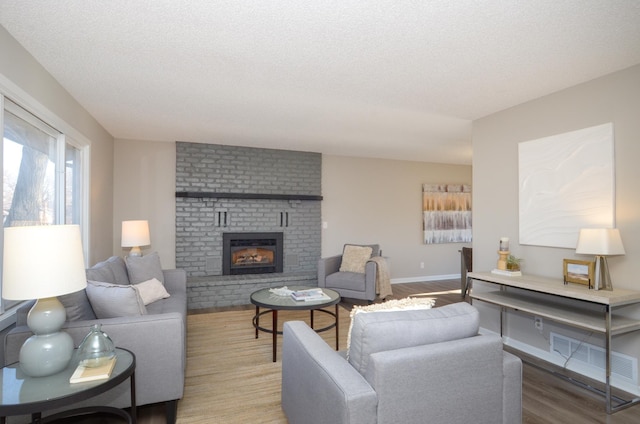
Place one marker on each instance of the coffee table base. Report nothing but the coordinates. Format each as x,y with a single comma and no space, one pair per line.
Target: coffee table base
274,325
62,417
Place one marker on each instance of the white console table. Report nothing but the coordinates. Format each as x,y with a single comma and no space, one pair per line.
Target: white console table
580,314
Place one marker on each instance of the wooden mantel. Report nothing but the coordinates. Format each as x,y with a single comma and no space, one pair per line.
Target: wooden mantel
227,195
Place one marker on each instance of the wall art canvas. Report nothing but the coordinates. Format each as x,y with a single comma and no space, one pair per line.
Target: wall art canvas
566,182
446,210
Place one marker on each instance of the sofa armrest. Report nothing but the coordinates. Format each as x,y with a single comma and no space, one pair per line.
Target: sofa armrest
327,266
370,273
175,279
158,341
23,312
318,385
512,388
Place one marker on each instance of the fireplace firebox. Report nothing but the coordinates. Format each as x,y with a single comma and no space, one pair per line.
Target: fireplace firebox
252,253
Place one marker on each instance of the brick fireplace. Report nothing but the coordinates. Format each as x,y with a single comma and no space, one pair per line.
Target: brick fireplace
251,253
239,191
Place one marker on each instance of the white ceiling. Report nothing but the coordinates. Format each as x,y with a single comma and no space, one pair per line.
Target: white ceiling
374,78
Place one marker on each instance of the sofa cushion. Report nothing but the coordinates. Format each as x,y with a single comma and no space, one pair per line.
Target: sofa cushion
114,300
77,306
381,331
354,258
144,268
101,272
346,280
151,291
119,269
113,270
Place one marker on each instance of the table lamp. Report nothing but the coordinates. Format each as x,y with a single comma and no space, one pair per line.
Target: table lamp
134,235
41,263
601,242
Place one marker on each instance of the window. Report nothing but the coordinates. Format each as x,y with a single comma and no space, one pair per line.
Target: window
41,173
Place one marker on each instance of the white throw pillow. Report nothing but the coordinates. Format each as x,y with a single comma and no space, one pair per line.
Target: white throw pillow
354,258
151,291
114,300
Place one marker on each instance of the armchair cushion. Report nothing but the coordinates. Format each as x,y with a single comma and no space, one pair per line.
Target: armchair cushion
143,268
381,331
346,280
408,303
354,258
114,300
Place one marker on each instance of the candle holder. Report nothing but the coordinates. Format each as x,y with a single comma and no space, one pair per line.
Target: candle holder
502,260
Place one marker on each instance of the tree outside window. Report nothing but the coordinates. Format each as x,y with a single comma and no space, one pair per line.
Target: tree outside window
40,175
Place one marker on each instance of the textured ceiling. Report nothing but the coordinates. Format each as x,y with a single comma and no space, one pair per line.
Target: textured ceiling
374,78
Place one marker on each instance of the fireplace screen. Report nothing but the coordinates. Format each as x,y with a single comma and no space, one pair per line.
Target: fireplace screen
251,253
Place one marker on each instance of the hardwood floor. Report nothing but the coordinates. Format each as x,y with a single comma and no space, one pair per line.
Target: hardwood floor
212,394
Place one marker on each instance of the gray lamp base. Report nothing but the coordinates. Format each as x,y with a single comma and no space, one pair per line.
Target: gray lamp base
49,350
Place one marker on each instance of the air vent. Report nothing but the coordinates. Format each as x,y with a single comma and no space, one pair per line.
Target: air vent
622,365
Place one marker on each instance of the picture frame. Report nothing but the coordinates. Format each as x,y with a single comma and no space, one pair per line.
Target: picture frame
579,272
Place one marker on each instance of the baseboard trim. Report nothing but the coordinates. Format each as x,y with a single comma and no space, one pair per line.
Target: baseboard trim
425,278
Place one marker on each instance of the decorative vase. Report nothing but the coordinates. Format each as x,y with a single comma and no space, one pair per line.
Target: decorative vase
96,348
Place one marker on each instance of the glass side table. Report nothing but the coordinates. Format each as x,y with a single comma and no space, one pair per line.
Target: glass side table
24,395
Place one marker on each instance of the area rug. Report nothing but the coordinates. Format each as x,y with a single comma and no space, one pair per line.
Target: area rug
230,375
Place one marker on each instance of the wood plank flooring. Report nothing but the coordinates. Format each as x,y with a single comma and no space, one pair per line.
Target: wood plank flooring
231,379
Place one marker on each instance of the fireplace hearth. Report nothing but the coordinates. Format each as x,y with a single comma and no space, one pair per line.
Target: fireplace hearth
252,253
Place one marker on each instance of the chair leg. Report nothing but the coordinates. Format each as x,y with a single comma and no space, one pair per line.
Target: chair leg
171,411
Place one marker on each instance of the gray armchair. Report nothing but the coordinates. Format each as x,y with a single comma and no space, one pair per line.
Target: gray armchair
411,366
353,285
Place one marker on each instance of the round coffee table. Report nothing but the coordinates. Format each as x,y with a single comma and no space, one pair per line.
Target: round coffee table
263,298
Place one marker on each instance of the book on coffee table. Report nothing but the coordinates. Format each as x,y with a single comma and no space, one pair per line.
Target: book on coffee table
309,295
83,374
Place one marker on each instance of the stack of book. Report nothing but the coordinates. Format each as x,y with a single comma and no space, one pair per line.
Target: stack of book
309,295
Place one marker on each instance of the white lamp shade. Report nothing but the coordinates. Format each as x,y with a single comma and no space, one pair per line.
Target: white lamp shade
42,261
135,233
600,242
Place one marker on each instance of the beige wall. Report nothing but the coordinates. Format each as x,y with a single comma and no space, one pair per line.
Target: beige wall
380,201
28,83
145,186
614,98
380,204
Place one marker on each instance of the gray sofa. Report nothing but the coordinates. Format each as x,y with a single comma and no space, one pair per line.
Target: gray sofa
411,366
157,337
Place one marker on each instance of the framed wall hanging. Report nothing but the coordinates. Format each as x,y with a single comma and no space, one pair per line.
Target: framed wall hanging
566,182
446,213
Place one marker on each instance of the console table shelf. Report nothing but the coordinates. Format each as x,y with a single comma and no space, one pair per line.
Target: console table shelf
572,316
573,305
